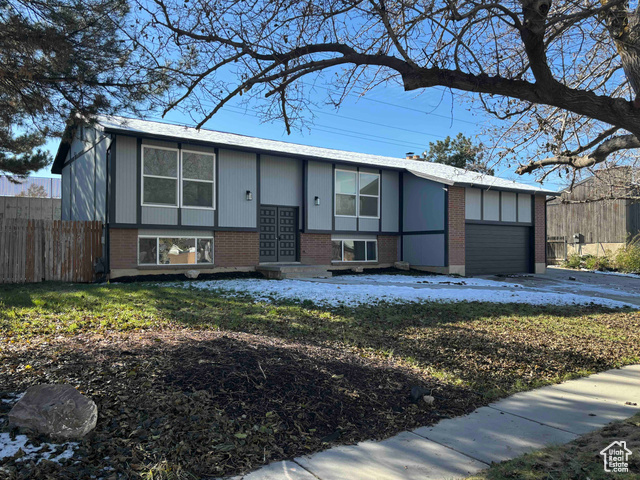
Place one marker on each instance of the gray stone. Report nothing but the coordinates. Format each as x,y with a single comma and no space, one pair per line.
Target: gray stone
192,274
419,392
357,269
58,411
402,265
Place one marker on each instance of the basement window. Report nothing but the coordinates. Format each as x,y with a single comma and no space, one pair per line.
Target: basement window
175,250
354,250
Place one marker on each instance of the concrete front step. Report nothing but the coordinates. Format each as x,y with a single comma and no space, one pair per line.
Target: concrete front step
284,271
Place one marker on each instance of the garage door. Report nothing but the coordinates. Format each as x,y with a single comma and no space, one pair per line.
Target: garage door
497,249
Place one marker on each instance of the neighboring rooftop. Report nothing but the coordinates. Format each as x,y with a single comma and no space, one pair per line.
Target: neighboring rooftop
432,171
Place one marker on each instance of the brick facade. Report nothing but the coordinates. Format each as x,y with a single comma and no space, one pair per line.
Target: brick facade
387,248
315,248
236,249
540,220
456,220
123,248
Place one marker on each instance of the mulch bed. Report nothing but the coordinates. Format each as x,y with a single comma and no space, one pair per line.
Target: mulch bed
213,404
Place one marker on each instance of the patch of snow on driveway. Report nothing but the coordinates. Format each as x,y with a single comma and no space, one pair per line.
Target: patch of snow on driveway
364,291
422,279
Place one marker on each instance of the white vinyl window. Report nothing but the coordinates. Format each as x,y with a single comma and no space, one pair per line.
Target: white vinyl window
369,189
198,179
154,250
160,176
357,194
174,178
354,250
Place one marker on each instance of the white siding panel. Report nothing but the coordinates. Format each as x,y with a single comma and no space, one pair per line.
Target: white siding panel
319,184
237,174
524,207
491,205
473,203
508,207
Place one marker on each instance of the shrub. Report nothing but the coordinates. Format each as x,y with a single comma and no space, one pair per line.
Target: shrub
597,263
628,258
574,261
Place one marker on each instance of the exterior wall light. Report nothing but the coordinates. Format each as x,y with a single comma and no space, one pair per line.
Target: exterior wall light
249,196
316,201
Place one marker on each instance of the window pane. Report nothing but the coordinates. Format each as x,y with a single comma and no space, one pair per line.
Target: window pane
369,184
177,250
160,191
345,182
359,251
159,162
147,251
197,194
336,250
371,251
349,250
197,166
205,250
345,205
368,206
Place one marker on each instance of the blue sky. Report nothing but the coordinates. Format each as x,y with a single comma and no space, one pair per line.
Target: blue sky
387,121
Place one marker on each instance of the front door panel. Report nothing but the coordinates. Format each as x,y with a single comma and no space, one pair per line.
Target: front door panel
278,234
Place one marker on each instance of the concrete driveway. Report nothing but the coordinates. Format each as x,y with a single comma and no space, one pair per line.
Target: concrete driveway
564,280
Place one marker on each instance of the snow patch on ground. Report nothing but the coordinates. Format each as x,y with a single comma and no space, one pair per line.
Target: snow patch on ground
55,452
428,279
364,291
617,274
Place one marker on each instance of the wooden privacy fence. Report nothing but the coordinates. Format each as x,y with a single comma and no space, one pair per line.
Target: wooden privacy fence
38,250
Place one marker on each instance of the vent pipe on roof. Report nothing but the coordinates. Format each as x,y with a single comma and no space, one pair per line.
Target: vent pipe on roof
409,155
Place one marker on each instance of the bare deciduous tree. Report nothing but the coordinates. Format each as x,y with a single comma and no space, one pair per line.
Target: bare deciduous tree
562,77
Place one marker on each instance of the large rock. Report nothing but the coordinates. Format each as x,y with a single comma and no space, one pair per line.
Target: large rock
58,411
402,265
192,274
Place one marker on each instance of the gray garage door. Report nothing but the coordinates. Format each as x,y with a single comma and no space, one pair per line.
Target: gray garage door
497,249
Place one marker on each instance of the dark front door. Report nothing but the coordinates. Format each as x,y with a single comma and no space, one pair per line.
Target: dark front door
278,234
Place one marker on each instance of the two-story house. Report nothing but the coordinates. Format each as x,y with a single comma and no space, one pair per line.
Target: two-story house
174,198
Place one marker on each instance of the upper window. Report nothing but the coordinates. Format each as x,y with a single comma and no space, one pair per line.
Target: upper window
369,194
197,180
346,193
159,176
357,194
165,173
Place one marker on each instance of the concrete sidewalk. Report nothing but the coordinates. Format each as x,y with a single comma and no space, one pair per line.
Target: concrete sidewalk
458,447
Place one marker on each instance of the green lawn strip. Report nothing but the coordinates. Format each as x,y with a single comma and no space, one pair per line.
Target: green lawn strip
286,375
577,460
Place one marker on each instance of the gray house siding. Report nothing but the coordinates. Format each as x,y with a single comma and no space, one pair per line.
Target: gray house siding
198,218
84,176
281,182
159,216
423,204
390,200
319,184
237,173
346,224
126,179
424,210
66,193
424,250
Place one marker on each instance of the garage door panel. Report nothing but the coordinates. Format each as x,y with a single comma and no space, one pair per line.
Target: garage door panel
491,249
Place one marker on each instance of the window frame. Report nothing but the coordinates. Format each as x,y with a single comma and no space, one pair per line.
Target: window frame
370,196
177,178
357,174
336,193
366,254
158,264
182,180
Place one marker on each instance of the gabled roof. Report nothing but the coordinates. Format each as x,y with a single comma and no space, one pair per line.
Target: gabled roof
432,171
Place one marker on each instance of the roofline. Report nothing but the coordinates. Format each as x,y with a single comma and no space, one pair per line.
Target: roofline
65,146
